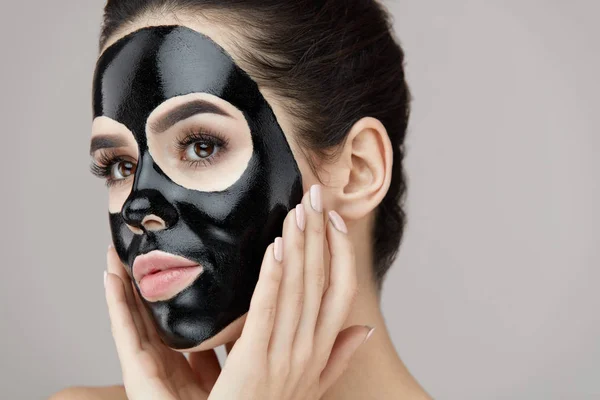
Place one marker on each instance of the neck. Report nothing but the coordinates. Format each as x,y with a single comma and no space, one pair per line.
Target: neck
375,370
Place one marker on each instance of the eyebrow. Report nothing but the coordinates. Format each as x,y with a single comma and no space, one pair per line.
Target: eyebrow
106,142
185,111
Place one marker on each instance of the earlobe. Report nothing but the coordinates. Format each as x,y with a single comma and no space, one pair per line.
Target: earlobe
366,167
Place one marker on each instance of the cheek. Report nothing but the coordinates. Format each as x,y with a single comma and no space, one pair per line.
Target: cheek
308,177
117,195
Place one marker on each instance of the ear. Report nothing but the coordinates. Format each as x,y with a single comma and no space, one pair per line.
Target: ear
363,171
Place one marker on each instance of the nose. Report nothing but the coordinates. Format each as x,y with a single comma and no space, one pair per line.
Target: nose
147,210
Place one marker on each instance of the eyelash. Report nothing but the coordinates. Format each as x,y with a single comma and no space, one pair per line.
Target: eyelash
202,135
108,158
103,167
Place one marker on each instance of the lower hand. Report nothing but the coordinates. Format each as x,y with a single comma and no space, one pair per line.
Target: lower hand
291,347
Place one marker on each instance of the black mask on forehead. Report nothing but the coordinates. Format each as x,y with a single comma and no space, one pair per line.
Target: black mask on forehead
226,232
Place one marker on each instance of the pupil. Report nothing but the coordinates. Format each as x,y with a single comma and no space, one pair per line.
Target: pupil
204,149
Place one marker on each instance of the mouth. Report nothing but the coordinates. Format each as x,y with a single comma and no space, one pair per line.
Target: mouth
161,276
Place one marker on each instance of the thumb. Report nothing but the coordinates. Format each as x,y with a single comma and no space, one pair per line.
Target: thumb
346,344
205,365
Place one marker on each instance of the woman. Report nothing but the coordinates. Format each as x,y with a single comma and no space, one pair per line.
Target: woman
253,152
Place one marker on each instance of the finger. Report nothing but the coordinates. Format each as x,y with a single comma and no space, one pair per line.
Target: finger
263,305
207,368
123,327
114,266
314,273
346,344
149,326
291,293
342,289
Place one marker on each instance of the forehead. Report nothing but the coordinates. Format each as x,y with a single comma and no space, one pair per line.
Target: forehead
146,67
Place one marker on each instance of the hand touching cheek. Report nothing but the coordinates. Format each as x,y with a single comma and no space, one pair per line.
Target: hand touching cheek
292,346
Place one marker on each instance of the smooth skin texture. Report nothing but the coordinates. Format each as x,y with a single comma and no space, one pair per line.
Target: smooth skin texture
354,185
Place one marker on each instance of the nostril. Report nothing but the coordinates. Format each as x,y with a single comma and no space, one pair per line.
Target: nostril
153,223
147,209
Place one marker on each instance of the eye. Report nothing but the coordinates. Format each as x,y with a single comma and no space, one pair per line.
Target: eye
201,150
112,167
121,170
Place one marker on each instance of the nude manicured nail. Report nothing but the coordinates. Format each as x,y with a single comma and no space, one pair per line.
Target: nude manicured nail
315,198
104,278
278,249
369,334
338,222
110,246
300,217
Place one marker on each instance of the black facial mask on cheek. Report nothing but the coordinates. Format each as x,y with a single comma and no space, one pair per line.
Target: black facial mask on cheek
226,232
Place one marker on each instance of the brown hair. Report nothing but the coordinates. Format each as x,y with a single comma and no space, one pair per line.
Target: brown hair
331,61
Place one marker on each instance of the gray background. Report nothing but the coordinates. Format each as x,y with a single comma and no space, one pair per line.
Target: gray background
495,292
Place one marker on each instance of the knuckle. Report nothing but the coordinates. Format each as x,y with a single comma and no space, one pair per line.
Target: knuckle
298,299
316,227
280,367
303,357
273,274
319,277
269,312
350,293
345,293
353,294
298,244
252,372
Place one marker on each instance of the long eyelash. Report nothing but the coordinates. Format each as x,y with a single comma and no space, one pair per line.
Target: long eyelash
102,168
206,136
202,135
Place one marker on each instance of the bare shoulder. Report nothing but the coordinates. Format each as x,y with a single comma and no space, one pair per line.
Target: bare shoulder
91,393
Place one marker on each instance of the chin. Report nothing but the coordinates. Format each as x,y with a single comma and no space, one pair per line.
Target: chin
230,333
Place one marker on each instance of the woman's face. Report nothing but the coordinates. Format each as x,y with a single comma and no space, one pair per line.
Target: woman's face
200,177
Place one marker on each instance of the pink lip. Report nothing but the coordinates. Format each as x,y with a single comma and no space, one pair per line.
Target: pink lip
161,275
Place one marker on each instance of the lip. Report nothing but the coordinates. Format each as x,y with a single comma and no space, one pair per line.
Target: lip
162,275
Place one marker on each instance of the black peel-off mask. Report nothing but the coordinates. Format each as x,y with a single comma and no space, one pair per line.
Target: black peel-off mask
227,231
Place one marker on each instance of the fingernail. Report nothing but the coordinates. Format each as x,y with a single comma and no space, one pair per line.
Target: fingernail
315,198
371,330
300,217
110,246
338,222
278,249
104,278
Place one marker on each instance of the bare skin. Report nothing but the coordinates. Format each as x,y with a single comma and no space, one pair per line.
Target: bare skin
353,185
375,371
